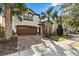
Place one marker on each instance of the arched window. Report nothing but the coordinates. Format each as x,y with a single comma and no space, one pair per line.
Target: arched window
28,16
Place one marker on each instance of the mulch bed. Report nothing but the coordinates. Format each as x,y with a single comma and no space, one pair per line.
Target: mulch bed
8,46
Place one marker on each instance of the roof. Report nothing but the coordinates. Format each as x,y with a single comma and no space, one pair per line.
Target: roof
33,12
42,23
47,21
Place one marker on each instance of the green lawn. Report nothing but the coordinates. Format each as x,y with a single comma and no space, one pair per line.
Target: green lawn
61,38
77,33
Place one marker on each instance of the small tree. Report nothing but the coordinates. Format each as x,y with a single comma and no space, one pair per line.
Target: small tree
59,30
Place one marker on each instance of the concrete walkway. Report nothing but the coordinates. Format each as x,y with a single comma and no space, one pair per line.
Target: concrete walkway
50,48
75,37
22,53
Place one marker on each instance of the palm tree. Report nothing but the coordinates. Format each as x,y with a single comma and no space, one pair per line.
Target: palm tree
9,11
49,15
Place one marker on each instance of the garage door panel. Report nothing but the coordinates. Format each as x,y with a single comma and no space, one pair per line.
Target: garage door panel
26,30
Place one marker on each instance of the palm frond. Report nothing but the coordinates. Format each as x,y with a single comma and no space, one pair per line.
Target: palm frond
19,8
43,15
55,15
49,10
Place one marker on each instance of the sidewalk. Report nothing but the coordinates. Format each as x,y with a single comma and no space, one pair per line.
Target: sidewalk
74,37
22,53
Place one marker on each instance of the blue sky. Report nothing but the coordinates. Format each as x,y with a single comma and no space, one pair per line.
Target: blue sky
41,7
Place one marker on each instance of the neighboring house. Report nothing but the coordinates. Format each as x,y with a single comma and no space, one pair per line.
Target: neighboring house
48,27
27,24
2,24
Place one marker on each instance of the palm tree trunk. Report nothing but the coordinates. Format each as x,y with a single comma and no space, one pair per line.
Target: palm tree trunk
76,29
48,26
8,23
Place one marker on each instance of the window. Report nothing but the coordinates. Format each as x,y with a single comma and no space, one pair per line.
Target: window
28,16
25,16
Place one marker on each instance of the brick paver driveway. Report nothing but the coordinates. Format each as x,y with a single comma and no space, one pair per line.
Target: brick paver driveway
37,45
27,41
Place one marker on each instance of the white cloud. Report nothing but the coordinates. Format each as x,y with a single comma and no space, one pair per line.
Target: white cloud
54,4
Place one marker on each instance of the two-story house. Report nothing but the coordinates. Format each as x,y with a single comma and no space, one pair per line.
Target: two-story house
27,24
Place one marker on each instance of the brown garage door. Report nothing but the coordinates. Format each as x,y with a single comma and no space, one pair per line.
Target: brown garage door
26,30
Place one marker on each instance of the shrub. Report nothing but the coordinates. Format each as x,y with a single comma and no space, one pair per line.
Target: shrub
59,30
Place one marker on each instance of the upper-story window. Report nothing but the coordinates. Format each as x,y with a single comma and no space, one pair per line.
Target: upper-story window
25,16
28,16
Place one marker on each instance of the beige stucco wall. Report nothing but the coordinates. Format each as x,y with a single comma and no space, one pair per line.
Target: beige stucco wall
35,22
54,26
2,20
